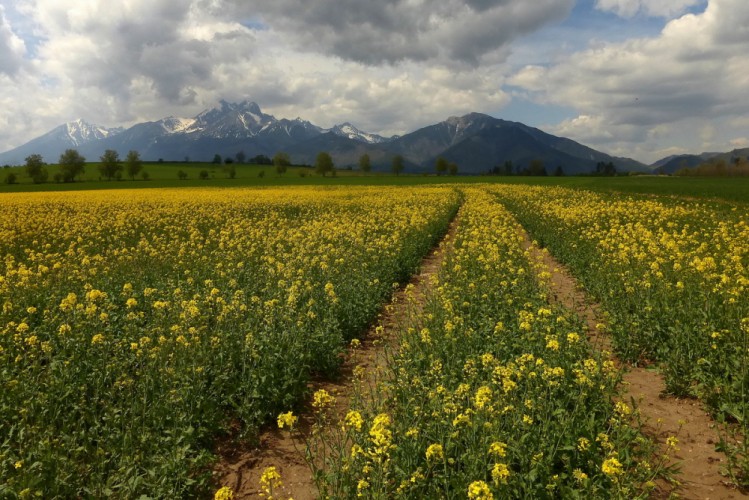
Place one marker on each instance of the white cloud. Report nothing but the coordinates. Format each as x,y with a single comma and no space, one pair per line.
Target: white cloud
692,72
707,134
739,142
12,48
386,66
586,127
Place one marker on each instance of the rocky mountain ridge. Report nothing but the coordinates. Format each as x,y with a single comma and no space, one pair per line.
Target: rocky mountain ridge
475,141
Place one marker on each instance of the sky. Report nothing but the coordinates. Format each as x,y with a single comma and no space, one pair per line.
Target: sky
638,78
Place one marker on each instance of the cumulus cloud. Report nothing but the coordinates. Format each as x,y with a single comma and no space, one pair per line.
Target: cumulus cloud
405,97
390,31
12,48
395,64
692,71
107,47
108,61
389,66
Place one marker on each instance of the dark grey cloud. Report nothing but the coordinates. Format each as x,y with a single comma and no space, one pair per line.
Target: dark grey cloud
446,31
174,46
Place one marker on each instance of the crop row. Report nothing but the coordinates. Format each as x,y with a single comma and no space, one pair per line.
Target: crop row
137,326
492,392
673,277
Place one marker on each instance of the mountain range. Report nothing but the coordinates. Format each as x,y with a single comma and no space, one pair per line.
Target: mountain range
672,164
476,142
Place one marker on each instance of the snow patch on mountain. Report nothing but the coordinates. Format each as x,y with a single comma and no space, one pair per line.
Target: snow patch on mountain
346,129
174,125
80,132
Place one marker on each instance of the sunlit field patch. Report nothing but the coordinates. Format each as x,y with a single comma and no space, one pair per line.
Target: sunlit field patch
136,326
492,392
673,276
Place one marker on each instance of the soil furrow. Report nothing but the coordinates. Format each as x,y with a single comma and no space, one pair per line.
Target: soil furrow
241,469
698,463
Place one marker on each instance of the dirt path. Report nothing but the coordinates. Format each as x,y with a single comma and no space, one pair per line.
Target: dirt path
241,469
664,416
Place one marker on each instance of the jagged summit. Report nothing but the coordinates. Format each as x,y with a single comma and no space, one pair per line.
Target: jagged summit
475,141
80,132
346,129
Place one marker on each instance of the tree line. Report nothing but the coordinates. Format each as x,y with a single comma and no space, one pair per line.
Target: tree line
537,168
738,166
325,165
72,166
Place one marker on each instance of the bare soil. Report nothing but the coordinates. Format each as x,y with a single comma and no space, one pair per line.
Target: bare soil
240,468
698,463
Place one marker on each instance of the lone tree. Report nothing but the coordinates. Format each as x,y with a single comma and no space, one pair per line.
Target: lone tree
441,166
110,166
133,164
241,157
365,164
452,169
35,168
323,163
281,161
397,166
217,159
72,165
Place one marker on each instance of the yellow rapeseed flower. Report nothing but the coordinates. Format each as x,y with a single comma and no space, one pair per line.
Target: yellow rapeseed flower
224,493
579,475
270,480
583,444
500,473
612,467
354,420
479,490
498,449
287,419
435,452
483,397
321,400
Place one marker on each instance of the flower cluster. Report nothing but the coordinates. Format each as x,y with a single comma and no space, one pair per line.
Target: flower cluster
672,275
134,325
493,392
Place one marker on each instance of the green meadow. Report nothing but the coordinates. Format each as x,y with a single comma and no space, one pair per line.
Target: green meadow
165,175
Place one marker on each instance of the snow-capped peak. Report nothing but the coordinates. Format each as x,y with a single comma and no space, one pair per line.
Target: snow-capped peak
174,125
80,132
346,129
237,120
